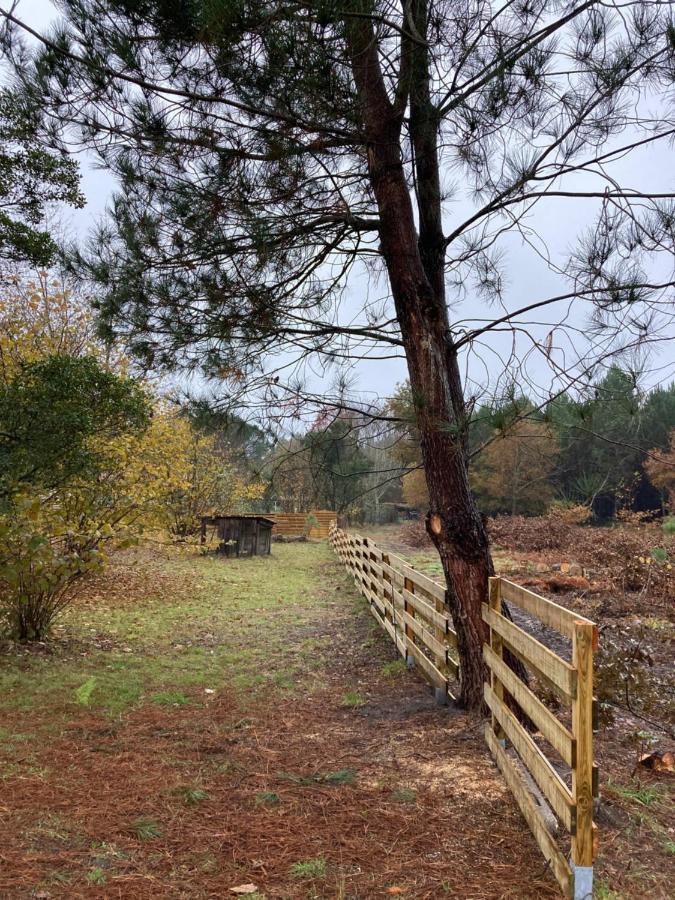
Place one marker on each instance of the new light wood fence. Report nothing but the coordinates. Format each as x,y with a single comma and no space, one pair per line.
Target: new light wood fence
569,782
407,604
293,524
411,608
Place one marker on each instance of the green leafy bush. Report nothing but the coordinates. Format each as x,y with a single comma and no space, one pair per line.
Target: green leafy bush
40,564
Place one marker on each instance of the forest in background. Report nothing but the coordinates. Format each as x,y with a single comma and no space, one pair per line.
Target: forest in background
608,451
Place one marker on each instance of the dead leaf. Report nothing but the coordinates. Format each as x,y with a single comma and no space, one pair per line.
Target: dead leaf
660,762
244,889
394,889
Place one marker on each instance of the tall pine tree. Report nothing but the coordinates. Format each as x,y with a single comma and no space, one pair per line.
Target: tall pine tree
265,151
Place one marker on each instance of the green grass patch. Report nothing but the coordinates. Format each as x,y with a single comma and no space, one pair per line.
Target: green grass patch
84,692
404,795
146,829
193,796
352,700
96,876
602,891
309,868
342,776
394,669
227,623
170,698
645,796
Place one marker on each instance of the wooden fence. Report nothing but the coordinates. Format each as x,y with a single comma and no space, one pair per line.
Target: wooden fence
411,608
570,783
291,524
407,604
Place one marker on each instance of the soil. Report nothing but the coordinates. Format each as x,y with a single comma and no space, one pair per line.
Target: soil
303,795
348,782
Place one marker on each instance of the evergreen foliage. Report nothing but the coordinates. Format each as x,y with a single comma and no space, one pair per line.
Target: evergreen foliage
31,178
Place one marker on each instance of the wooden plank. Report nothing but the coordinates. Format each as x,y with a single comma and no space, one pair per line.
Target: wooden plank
407,592
550,613
532,815
550,727
440,631
561,673
418,578
438,648
441,620
495,601
433,674
552,786
417,627
395,576
582,726
374,599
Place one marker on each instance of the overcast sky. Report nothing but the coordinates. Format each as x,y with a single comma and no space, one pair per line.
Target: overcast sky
529,279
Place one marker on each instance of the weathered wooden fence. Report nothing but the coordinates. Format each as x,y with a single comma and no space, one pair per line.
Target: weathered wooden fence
411,608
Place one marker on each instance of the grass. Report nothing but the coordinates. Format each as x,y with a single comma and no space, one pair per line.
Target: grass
146,829
394,669
602,891
404,795
309,868
170,643
644,796
170,698
352,700
96,876
191,795
342,776
84,692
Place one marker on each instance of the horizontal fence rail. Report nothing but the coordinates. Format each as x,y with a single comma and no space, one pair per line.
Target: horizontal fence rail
295,524
568,784
407,604
523,731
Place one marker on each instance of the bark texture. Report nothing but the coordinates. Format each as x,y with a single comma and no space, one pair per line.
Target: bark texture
415,265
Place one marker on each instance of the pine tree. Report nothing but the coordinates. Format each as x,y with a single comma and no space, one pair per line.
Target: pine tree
267,151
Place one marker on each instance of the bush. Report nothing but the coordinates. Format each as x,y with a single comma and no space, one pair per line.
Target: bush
39,568
570,513
414,534
530,534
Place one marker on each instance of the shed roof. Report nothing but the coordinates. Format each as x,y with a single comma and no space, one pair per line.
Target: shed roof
251,516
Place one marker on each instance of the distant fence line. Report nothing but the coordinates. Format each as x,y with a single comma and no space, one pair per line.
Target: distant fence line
411,608
293,524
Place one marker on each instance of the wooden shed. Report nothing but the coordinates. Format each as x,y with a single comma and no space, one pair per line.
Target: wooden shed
240,535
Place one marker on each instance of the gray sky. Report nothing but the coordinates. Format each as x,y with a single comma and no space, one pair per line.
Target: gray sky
557,222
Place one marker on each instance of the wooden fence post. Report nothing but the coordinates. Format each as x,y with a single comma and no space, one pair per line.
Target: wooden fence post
387,579
441,693
497,646
408,585
582,773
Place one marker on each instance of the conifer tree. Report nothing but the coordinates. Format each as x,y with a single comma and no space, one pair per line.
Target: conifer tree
267,151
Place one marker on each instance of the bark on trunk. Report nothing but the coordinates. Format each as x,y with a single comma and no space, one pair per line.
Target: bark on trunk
415,264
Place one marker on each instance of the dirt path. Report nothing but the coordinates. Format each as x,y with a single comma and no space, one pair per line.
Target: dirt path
347,783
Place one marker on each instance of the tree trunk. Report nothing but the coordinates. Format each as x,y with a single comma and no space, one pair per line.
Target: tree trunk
415,265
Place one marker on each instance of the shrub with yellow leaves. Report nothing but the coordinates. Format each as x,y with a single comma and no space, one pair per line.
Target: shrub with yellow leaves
160,474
